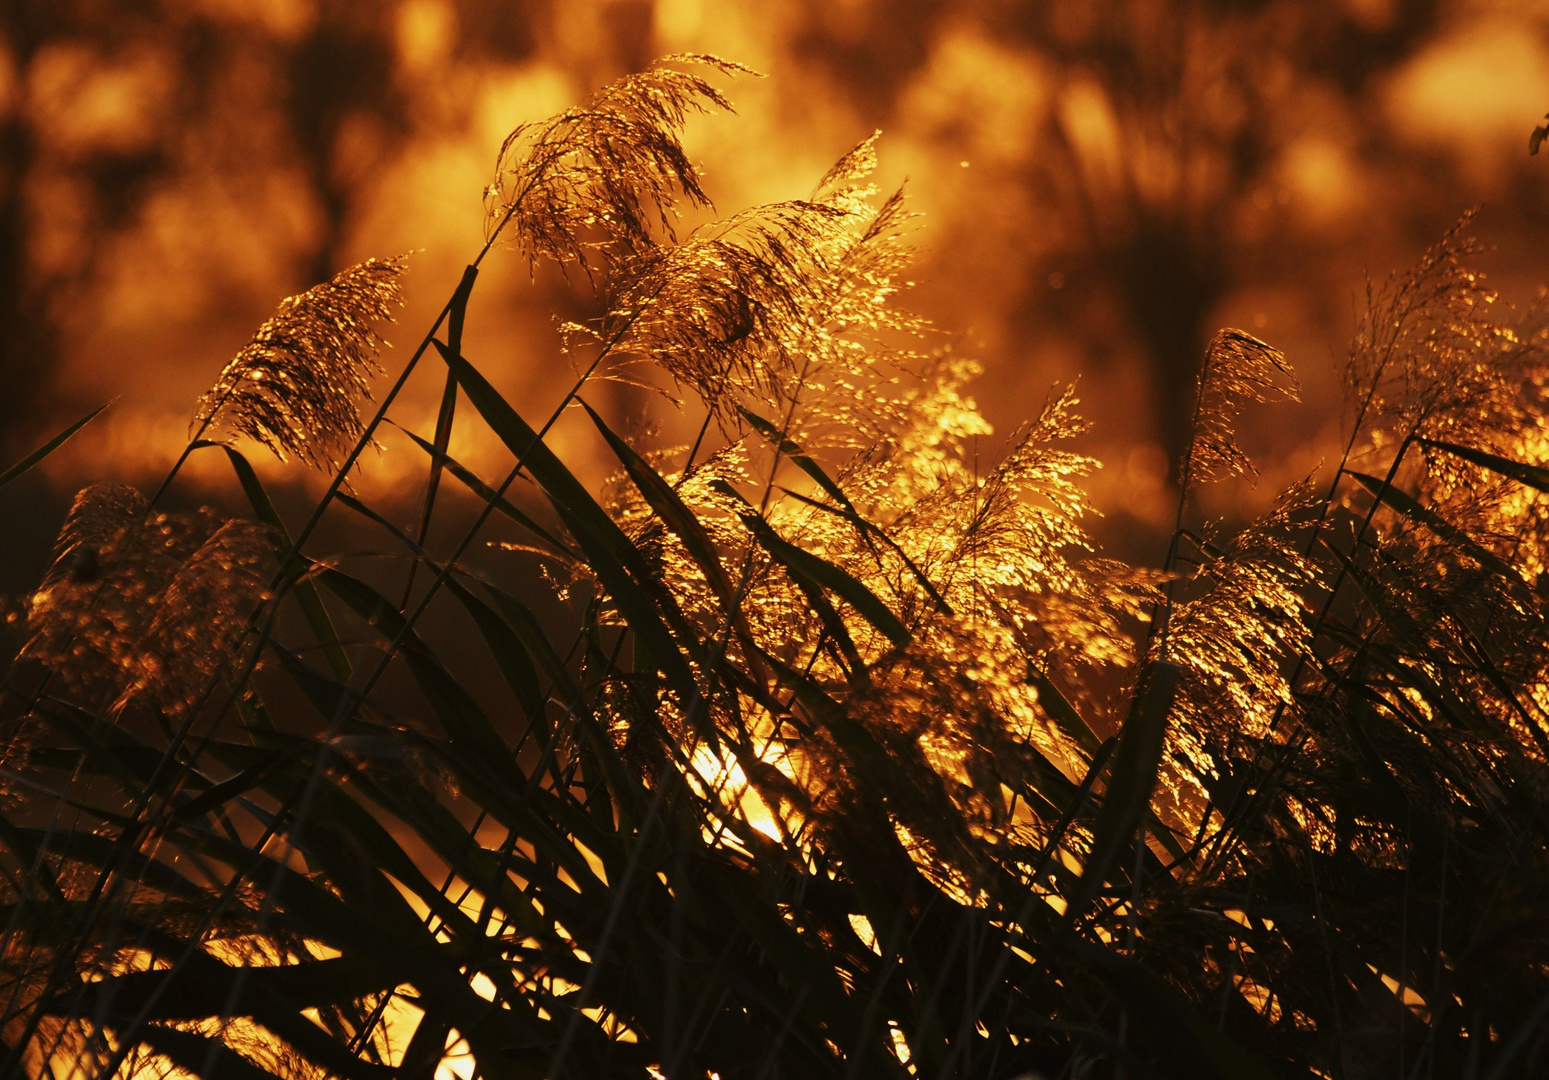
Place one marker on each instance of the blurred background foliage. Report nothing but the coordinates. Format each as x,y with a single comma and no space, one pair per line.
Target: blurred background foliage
1103,185
1103,182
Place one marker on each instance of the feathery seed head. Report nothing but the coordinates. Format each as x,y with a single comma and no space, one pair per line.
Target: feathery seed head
726,312
143,603
200,617
111,565
1238,368
605,176
1427,357
1235,638
842,185
295,386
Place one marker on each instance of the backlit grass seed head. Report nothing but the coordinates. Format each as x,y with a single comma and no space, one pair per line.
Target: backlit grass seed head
606,174
736,312
144,607
1235,639
779,301
1456,614
111,566
295,386
862,345
98,516
1432,357
845,181
199,621
1007,530
1238,368
727,312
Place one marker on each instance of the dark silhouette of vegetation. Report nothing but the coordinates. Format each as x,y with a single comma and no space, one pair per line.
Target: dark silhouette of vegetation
857,759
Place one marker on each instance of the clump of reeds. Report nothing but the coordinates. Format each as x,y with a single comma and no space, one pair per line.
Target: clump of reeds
856,758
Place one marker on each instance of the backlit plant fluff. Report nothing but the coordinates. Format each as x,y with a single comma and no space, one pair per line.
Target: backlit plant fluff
295,386
604,175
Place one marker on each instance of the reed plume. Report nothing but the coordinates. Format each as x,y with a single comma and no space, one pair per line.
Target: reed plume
112,565
1419,333
295,386
724,313
862,345
144,607
775,302
1238,368
1236,639
605,175
200,618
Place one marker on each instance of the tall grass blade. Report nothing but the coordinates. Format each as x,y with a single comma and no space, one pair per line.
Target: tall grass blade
1534,476
48,448
1127,797
456,314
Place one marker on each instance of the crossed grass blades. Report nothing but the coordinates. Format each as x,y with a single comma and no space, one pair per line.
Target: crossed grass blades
828,775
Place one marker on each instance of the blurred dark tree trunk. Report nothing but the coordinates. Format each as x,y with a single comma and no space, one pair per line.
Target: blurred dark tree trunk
1170,284
118,180
342,72
27,340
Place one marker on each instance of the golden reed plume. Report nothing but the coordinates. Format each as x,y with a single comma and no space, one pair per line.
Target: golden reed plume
144,607
606,173
295,385
1238,369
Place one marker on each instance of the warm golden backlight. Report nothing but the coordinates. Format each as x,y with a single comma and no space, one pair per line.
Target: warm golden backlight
965,602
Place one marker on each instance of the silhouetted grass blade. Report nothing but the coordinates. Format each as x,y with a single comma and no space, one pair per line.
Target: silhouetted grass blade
1533,476
501,504
669,506
453,705
197,1053
189,993
1059,708
1424,515
48,448
1127,797
1184,1043
306,593
506,648
608,550
821,572
456,314
846,509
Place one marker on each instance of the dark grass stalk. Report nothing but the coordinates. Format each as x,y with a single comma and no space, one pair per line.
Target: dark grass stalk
35,873
1328,956
347,701
1328,604
217,908
364,1034
1437,1002
1403,933
1051,847
723,635
444,418
277,584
